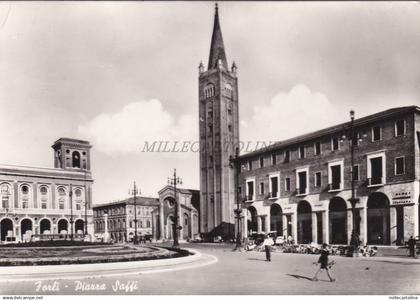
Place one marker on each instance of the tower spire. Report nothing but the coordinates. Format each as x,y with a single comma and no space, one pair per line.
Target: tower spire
217,49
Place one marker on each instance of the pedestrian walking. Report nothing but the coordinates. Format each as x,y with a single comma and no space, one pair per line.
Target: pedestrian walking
412,246
323,261
268,242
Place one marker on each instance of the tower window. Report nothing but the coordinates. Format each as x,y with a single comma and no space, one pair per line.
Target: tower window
228,90
229,111
76,159
209,91
230,128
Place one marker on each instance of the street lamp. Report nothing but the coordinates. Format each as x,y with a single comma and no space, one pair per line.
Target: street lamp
174,181
234,163
71,211
134,192
86,232
353,139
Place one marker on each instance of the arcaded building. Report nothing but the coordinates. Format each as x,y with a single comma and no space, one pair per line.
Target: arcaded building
47,200
302,186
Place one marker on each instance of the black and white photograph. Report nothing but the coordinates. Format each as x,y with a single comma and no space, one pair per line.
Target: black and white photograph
209,148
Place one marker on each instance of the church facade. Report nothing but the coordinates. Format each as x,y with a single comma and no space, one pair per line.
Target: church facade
48,200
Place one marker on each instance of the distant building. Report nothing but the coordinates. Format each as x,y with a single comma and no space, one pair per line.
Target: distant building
301,187
120,217
188,211
38,200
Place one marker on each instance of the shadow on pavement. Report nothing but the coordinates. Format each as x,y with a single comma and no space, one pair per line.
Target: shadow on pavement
300,277
261,259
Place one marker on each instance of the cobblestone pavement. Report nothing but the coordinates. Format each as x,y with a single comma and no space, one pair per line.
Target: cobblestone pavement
249,273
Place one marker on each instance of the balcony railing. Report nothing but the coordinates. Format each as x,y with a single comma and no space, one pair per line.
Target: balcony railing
274,194
301,191
334,186
376,181
250,197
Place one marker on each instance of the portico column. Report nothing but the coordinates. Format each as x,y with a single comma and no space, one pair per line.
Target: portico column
267,223
191,225
363,225
349,225
326,226
161,222
245,223
314,228
259,224
284,224
294,227
416,219
393,224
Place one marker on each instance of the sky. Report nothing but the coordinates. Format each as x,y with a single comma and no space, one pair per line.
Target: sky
120,74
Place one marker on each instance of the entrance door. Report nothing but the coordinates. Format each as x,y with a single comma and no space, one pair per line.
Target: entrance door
6,226
400,225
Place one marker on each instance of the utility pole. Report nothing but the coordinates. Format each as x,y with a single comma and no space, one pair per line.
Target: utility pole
71,211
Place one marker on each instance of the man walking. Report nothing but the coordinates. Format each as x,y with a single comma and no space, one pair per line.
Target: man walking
412,246
268,242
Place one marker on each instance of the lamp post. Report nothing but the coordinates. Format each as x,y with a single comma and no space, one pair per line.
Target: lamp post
354,241
134,192
86,232
71,211
174,181
235,165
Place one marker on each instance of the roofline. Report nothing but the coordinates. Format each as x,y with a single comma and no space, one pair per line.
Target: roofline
332,129
125,201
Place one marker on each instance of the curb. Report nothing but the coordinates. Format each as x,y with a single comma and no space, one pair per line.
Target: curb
30,273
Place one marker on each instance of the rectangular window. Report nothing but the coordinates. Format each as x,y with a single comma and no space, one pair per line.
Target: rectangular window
376,133
335,177
249,165
274,186
78,206
25,204
286,156
334,144
261,162
5,202
376,170
44,205
355,173
250,190
317,148
61,205
400,127
287,184
230,128
399,166
210,114
261,188
318,179
301,152
302,183
273,159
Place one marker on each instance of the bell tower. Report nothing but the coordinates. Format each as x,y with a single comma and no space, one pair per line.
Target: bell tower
72,154
219,137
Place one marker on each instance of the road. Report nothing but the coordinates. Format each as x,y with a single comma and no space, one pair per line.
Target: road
247,273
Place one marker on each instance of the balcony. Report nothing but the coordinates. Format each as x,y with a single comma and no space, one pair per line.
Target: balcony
376,181
335,186
249,198
301,191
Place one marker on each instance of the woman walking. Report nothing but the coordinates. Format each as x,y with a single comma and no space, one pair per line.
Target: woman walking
323,260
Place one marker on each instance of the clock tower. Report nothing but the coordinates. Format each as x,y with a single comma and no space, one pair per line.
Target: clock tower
219,137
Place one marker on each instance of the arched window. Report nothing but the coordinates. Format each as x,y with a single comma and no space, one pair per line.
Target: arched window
228,90
209,91
61,198
43,190
24,196
76,159
78,195
5,195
